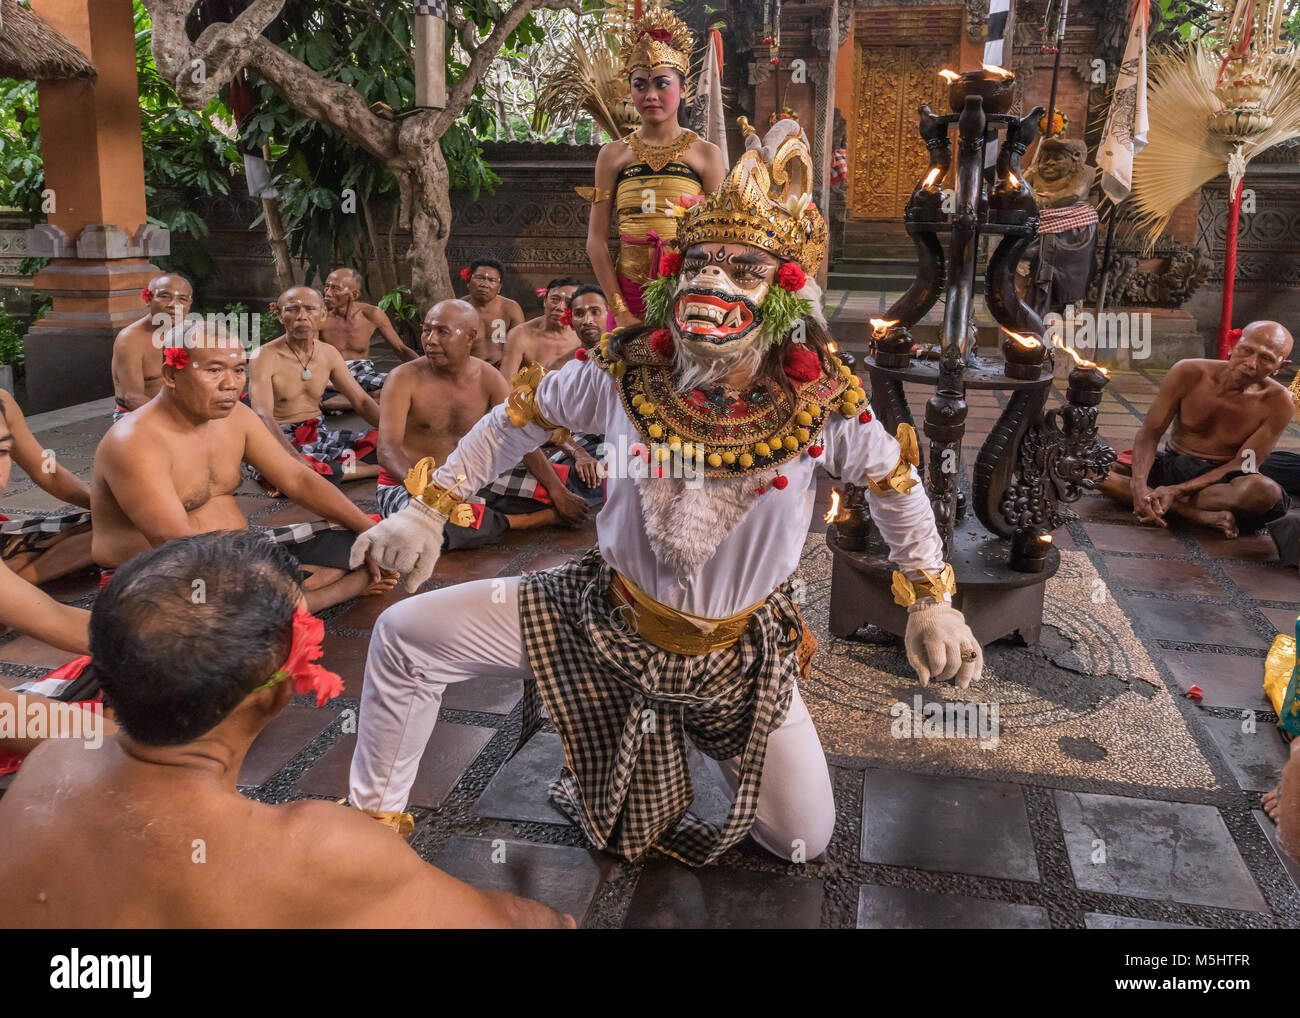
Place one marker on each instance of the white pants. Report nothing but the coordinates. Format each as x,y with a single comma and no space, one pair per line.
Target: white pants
460,633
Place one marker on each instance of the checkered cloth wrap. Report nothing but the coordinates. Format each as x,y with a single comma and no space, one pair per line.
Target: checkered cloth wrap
520,482
1072,217
299,533
324,449
367,375
392,498
32,532
437,8
629,789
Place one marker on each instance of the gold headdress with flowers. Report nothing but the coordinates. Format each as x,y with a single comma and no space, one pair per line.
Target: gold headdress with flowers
658,39
765,202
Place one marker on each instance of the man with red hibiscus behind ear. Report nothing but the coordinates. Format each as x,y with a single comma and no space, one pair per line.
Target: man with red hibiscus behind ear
685,607
155,807
137,368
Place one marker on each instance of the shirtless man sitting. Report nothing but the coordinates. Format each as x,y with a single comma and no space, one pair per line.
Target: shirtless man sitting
427,408
350,325
40,555
289,375
542,339
190,700
1226,416
171,468
137,365
497,314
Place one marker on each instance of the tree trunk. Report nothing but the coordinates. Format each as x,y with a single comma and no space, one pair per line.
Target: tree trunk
426,195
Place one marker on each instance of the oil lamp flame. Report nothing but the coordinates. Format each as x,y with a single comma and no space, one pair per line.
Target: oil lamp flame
930,178
1045,538
1084,363
949,76
996,71
832,347
1028,342
1013,180
880,326
833,513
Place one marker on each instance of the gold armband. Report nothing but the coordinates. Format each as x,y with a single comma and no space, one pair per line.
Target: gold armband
907,592
617,304
420,484
900,479
1295,392
595,195
521,404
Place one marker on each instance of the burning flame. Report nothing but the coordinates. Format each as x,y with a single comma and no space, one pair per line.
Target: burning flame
996,71
833,513
832,347
949,76
930,178
880,326
1013,180
1045,538
1084,363
1028,342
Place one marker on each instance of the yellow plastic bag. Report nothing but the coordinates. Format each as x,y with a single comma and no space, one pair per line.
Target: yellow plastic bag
1278,667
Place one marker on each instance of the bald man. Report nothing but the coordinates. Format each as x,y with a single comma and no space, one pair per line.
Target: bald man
137,353
1226,417
287,379
350,325
427,408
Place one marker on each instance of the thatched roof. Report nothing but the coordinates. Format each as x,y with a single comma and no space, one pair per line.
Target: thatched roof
31,50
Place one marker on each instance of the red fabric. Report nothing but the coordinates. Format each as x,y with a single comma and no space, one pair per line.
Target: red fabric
385,479
1229,272
367,444
324,469
306,432
1126,457
10,761
651,240
4,518
104,576
801,364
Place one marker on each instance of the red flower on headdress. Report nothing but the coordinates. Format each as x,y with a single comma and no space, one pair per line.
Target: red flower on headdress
566,317
660,35
176,357
791,277
146,295
661,341
308,632
670,263
464,273
801,364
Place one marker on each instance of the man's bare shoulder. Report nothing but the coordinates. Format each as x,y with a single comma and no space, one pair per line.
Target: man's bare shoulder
492,382
408,373
136,334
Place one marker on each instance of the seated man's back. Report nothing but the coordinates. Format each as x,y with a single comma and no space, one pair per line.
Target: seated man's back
147,828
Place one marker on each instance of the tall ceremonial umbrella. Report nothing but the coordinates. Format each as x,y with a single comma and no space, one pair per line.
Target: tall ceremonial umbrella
1214,106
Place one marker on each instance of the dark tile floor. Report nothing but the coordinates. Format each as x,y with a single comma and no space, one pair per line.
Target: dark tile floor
910,849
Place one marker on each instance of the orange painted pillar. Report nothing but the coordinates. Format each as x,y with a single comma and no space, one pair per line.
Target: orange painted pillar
97,230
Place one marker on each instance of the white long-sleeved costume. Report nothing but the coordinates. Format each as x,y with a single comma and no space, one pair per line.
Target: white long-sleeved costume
760,552
463,632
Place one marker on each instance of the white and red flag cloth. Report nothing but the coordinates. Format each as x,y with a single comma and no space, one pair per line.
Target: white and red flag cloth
1126,129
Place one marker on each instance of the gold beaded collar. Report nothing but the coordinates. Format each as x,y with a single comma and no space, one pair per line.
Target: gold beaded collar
659,156
753,433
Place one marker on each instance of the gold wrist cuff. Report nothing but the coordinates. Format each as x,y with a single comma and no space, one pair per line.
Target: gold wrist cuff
419,484
521,404
617,304
900,479
906,592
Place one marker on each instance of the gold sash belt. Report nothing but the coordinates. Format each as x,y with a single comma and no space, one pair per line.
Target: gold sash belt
672,630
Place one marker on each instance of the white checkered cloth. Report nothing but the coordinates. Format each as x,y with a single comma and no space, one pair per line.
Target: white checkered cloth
520,482
300,533
630,789
1072,217
436,8
367,375
30,532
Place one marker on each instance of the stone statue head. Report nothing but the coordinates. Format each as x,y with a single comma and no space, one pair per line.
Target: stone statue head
1060,175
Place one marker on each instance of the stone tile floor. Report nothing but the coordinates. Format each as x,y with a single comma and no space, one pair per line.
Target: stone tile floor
910,849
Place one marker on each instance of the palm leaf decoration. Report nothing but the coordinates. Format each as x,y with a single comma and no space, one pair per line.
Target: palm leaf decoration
589,79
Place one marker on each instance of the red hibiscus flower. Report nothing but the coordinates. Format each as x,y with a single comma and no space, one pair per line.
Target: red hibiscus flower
567,317
661,341
146,295
1233,336
791,277
670,263
308,632
801,364
464,273
176,357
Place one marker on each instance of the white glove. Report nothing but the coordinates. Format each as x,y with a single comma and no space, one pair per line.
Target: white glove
939,644
409,542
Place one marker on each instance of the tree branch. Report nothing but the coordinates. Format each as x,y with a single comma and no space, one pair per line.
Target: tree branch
484,54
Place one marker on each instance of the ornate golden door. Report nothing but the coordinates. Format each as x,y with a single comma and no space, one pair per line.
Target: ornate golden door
889,83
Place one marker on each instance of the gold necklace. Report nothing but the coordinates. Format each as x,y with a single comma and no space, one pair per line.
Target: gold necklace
659,156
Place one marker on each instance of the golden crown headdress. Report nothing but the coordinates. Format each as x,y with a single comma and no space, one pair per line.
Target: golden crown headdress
658,39
766,202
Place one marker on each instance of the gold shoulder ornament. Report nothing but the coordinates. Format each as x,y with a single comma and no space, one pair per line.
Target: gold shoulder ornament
521,404
900,479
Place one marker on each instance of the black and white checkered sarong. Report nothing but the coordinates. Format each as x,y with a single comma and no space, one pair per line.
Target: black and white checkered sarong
630,787
33,532
367,375
520,482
